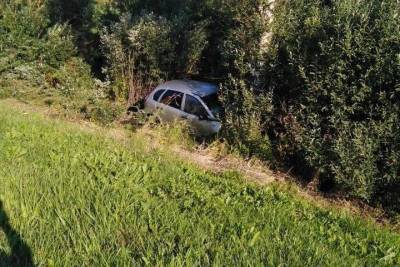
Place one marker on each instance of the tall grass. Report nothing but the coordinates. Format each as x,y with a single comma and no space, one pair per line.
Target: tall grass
81,199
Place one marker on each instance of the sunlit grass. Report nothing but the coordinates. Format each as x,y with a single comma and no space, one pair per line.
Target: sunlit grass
82,199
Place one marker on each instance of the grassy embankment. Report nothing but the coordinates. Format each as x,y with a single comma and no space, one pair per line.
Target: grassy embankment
79,199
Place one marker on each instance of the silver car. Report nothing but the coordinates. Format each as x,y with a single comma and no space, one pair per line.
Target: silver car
193,101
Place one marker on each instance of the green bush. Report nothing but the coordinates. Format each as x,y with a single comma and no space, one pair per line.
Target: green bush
72,79
243,119
138,52
27,36
39,60
334,70
245,102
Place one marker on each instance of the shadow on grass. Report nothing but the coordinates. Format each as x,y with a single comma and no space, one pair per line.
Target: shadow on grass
21,254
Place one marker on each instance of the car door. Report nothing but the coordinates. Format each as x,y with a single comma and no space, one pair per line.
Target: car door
198,115
170,106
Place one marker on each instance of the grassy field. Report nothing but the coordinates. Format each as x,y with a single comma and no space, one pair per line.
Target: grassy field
74,198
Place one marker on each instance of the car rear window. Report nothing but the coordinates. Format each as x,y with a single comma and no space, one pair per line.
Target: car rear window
157,94
172,99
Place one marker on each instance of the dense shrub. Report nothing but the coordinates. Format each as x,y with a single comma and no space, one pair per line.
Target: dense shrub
39,60
139,52
244,118
26,36
246,103
334,70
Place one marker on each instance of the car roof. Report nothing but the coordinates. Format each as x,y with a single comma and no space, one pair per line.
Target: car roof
201,89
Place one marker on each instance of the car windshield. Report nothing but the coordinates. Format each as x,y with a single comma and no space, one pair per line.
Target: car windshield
213,104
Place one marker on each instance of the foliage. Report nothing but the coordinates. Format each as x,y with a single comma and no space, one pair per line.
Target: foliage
80,198
334,70
139,52
27,37
244,123
39,61
73,78
245,102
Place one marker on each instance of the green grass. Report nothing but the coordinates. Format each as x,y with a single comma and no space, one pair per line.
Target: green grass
81,199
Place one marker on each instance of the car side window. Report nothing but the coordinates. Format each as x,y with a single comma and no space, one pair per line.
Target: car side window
194,107
157,94
172,99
